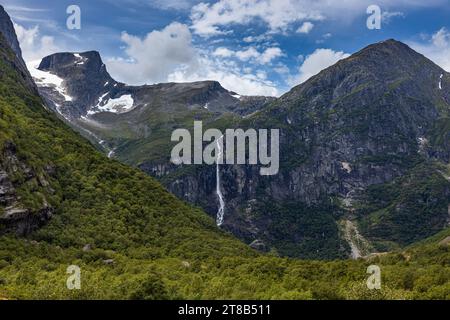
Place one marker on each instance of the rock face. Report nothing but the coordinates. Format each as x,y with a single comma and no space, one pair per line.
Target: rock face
366,121
86,80
8,32
7,29
15,217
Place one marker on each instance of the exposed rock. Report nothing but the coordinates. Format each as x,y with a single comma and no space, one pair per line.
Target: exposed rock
8,32
258,245
23,221
445,242
15,218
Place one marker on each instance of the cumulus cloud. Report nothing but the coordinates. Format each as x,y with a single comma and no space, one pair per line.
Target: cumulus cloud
208,19
245,55
231,78
250,54
34,45
306,27
152,58
314,63
223,52
169,55
437,48
270,54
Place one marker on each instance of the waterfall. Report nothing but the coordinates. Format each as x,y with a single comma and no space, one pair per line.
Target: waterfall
221,211
440,81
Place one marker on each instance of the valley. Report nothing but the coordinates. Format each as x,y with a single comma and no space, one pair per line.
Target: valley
335,146
86,181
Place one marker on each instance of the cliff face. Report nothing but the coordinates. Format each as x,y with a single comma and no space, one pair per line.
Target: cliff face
10,37
369,121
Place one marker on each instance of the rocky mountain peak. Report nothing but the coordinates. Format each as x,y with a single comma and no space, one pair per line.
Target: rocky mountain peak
382,66
80,65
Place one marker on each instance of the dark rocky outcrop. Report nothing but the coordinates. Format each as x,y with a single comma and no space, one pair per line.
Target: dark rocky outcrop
14,216
8,32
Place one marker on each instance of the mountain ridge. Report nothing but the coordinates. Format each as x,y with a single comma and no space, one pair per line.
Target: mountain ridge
335,145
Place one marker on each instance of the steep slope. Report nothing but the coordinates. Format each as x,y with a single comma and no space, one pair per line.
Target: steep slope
7,29
49,171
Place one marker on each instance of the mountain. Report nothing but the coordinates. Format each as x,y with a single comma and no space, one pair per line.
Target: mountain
59,192
79,88
364,153
132,239
376,121
364,149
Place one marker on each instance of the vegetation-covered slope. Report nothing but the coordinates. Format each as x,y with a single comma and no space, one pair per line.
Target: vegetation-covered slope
38,270
95,200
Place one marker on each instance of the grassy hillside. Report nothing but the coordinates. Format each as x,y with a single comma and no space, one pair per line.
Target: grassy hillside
38,270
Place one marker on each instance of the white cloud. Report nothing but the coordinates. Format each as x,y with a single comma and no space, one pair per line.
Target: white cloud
387,16
251,53
306,27
314,63
229,78
441,38
169,55
279,15
437,48
223,52
270,54
34,45
245,55
259,38
209,19
157,55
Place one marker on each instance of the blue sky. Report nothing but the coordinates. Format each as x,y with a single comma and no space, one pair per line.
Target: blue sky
251,46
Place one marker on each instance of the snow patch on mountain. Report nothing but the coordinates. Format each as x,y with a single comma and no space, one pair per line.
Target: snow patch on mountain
80,60
48,79
119,105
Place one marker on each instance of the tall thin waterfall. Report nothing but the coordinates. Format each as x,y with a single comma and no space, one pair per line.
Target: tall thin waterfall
221,211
